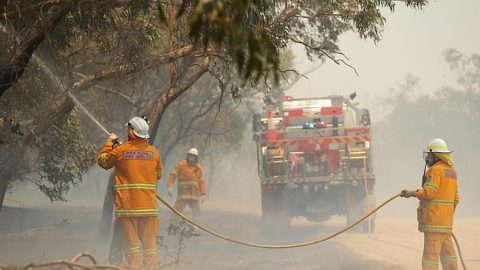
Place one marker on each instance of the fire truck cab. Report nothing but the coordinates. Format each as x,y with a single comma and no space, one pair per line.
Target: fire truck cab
314,160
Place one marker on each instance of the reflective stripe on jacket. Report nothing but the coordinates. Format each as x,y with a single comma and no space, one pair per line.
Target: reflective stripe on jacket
191,181
137,168
438,199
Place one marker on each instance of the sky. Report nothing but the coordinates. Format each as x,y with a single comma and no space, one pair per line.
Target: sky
413,42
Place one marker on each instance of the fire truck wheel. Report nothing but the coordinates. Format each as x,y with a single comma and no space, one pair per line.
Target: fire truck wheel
365,226
357,206
275,207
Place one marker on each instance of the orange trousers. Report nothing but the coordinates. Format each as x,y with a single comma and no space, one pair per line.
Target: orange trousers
194,205
438,246
143,230
180,206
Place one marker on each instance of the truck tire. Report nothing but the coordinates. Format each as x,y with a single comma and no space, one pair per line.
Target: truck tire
365,225
275,207
358,204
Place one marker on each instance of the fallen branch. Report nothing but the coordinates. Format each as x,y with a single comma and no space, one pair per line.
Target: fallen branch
83,255
65,264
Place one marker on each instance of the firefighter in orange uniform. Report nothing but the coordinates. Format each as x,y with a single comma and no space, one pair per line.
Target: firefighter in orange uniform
438,200
192,187
137,169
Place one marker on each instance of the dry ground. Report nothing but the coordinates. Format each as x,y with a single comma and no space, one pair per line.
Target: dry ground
398,241
30,235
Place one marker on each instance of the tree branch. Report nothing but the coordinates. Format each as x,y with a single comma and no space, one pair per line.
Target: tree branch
319,49
127,69
127,98
85,4
23,52
171,94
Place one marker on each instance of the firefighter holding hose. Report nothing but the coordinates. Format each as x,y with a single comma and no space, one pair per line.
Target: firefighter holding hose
137,169
438,200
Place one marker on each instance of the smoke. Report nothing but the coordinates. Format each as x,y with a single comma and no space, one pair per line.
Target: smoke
411,121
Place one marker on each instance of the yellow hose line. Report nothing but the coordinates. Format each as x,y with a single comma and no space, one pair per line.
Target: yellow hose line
278,246
459,251
309,243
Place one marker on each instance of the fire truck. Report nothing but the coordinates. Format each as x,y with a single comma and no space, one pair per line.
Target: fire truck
314,160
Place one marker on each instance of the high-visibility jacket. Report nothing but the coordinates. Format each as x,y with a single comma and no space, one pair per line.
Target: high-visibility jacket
137,168
438,199
191,181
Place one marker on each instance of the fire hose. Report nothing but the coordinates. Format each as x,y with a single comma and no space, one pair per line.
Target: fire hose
255,245
296,245
304,244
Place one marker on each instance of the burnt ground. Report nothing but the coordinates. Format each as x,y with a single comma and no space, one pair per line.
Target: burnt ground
44,234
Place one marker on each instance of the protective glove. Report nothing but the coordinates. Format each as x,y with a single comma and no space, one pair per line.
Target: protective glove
202,198
113,137
408,193
170,191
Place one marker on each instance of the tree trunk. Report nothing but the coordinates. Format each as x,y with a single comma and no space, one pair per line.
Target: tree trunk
10,73
107,212
3,191
172,94
172,26
158,112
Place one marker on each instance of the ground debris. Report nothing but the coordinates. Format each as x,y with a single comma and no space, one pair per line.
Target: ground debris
46,230
72,264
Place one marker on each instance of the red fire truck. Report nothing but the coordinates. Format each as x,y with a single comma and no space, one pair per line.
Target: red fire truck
314,159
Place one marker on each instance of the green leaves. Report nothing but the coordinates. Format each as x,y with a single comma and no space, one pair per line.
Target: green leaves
253,33
239,27
64,158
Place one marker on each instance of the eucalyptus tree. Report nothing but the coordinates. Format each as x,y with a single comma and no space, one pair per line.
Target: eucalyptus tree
144,54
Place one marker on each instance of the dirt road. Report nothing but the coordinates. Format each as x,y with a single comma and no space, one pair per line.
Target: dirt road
398,241
34,235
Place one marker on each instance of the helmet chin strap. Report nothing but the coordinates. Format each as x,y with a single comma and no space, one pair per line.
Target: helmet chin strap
424,178
430,160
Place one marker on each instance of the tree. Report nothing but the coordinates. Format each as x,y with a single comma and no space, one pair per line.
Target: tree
250,32
97,45
51,153
413,118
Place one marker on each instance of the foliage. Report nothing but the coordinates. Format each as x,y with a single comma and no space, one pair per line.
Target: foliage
252,34
53,159
182,231
64,158
131,58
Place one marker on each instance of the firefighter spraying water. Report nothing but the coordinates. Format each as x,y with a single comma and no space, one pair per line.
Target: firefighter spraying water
137,169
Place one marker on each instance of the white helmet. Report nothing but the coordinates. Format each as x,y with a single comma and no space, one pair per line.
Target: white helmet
139,126
193,151
437,146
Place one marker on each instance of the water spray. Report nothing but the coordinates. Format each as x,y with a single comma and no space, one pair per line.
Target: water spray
87,113
53,77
